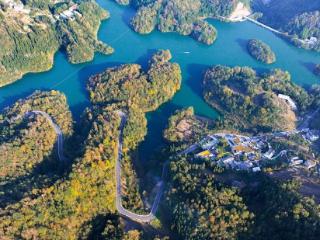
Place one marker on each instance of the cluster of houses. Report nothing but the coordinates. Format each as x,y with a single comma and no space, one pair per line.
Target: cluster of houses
18,6
249,153
295,161
241,152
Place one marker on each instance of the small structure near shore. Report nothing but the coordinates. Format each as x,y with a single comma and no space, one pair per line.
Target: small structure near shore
289,100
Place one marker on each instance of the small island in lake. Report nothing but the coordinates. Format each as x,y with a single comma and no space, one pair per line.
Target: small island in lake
184,17
261,51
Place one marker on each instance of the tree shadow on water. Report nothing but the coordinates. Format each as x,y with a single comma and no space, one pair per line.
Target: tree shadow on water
196,72
127,15
11,99
78,109
243,44
145,58
157,122
308,65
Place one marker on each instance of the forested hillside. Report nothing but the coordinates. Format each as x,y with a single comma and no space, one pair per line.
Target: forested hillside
138,92
27,139
68,208
31,32
185,126
200,206
252,99
236,205
261,51
299,18
205,200
185,17
281,212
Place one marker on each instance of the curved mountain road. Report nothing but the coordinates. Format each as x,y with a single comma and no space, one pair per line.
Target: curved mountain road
160,185
56,128
122,211
308,118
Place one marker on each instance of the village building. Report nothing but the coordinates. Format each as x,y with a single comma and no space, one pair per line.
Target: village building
311,41
256,169
312,135
295,161
269,154
310,164
248,153
227,160
244,166
208,142
205,154
69,13
289,100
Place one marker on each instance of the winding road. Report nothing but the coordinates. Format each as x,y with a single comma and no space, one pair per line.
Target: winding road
308,118
122,211
160,185
56,128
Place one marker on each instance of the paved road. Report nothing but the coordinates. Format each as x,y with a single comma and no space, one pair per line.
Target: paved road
308,118
160,185
283,152
56,128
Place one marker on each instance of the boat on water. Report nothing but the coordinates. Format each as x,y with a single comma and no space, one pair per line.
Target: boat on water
186,52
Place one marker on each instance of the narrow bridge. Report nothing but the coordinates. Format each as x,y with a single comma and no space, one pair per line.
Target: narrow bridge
275,30
266,26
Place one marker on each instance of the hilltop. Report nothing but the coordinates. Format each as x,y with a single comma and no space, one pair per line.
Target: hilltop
33,31
88,191
255,102
186,17
27,139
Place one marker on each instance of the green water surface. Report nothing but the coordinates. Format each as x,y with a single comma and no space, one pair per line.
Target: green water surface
193,57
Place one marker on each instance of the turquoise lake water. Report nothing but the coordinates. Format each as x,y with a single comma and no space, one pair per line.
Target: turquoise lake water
130,47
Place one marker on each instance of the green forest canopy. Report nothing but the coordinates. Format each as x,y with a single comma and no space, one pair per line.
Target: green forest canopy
182,16
31,37
252,99
261,51
63,210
